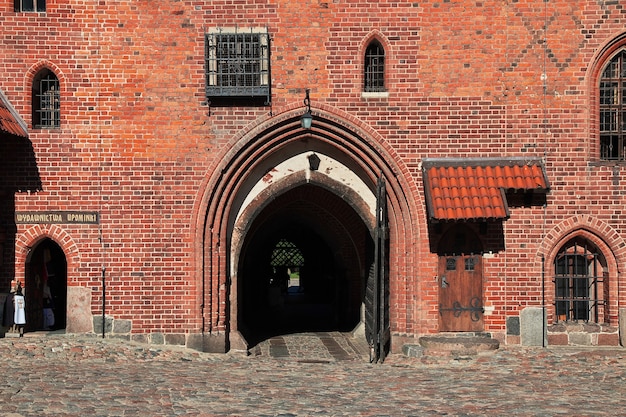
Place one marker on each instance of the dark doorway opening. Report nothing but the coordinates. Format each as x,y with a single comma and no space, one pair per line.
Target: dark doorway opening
301,267
46,287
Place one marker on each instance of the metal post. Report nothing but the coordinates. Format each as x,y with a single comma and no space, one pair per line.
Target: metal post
543,302
103,302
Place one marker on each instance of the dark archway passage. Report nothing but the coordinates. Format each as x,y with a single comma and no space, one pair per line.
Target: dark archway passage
248,183
324,245
46,287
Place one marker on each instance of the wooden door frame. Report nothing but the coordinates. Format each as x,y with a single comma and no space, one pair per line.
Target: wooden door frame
461,242
465,313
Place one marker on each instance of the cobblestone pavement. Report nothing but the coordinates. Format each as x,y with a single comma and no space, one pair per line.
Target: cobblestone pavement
65,375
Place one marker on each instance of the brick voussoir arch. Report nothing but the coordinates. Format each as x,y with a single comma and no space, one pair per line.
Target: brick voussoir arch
595,230
29,238
207,202
378,36
29,76
603,236
349,136
38,66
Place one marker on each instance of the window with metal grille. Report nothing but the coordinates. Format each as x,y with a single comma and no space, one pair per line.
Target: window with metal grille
286,254
612,111
46,101
29,5
237,63
374,68
580,286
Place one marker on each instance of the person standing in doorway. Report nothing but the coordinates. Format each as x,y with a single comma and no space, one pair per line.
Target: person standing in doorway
19,317
9,309
48,313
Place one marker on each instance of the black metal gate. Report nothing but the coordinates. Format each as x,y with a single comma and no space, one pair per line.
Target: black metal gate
377,289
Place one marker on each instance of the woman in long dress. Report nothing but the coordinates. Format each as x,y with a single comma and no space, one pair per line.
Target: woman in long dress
19,317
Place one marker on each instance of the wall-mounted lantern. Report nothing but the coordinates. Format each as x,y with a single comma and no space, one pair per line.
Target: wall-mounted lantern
307,118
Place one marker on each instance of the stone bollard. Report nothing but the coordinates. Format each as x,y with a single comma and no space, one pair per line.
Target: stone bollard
533,329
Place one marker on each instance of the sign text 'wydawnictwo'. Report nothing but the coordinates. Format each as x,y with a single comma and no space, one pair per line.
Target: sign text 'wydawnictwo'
57,217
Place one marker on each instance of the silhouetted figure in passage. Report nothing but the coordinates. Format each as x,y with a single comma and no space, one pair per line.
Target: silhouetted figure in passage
282,279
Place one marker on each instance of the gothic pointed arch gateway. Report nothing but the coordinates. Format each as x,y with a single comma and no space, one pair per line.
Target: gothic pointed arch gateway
313,193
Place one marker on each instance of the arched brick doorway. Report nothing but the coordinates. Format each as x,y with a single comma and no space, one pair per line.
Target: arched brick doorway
325,246
46,287
249,195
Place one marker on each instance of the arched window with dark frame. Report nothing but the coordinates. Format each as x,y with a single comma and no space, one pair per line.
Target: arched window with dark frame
374,71
613,109
29,5
581,283
46,101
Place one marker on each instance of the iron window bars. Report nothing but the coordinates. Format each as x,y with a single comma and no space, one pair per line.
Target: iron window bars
287,254
47,102
237,63
612,109
579,285
374,77
29,5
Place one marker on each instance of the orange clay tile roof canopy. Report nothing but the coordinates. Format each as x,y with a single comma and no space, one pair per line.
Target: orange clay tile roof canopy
473,189
10,121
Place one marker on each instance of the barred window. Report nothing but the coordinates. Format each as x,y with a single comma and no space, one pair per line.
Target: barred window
237,63
612,111
374,68
286,254
581,290
46,101
29,5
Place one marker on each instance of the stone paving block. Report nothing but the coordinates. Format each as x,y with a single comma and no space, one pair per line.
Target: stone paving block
97,324
175,339
90,376
122,326
583,339
513,326
157,338
413,351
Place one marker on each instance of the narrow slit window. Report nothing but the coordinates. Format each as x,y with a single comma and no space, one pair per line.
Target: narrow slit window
374,68
46,101
612,96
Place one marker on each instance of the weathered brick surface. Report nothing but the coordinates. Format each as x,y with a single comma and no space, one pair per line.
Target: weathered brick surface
138,140
558,339
611,339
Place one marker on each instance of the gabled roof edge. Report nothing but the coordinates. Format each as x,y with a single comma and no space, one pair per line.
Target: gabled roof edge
16,117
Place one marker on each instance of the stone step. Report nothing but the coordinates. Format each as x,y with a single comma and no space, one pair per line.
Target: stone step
452,344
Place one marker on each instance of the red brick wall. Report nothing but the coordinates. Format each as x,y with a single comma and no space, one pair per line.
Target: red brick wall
465,79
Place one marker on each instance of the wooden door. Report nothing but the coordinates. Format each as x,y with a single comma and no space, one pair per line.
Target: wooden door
377,327
460,293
